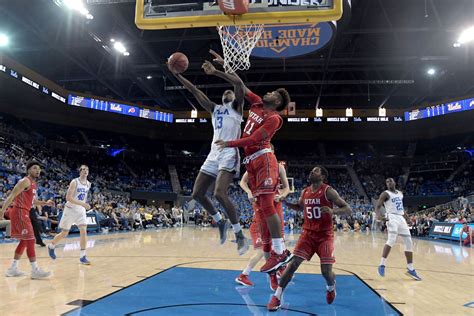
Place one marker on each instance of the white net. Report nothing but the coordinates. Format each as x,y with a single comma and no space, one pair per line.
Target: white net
237,44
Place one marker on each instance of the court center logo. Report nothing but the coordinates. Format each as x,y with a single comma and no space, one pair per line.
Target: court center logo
291,40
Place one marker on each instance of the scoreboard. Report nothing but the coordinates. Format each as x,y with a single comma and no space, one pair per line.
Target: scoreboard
119,108
440,109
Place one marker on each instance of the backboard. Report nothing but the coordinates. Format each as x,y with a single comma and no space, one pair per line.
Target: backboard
175,14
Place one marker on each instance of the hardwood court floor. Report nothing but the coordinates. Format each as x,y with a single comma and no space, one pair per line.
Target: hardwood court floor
119,260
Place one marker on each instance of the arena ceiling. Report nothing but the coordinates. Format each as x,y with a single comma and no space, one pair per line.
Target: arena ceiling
379,56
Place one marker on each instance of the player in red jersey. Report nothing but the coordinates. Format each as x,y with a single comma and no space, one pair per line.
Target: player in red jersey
468,230
316,202
262,166
23,197
262,244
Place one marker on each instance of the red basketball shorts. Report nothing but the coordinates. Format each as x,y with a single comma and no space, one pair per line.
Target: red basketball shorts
21,224
263,174
311,242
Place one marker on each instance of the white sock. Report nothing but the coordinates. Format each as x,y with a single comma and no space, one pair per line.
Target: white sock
236,228
34,265
279,292
15,264
330,288
247,270
217,217
278,245
51,246
83,253
382,261
410,266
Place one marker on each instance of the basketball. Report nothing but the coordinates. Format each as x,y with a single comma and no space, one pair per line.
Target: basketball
178,63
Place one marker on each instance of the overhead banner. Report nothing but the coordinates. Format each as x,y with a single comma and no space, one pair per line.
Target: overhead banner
291,40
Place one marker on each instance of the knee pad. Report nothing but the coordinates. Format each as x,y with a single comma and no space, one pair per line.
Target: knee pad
392,239
408,243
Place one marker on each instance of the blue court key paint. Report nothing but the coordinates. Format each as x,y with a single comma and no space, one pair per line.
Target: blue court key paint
190,291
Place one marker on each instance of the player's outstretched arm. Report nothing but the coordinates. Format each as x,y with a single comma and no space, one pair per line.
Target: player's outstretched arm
378,206
239,87
343,207
203,100
296,206
21,186
43,203
264,132
219,60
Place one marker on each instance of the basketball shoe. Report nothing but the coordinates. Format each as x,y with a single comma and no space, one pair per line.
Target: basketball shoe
275,261
37,274
242,243
51,252
223,226
381,271
412,273
274,304
84,260
13,273
331,295
244,280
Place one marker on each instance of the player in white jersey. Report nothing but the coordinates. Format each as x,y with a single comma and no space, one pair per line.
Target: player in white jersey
221,166
75,213
392,200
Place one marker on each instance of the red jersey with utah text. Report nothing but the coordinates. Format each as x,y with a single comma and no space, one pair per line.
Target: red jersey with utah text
260,120
24,200
314,219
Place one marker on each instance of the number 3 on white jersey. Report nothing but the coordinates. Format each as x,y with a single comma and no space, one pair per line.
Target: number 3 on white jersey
313,212
249,127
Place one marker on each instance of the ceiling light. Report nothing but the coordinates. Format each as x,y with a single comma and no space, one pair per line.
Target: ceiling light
149,77
457,45
126,54
431,71
466,36
319,112
3,40
120,47
78,5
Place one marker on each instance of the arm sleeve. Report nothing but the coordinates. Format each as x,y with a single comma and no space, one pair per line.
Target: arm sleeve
252,98
264,132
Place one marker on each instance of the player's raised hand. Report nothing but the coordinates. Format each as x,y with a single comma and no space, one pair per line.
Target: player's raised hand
221,144
217,58
209,68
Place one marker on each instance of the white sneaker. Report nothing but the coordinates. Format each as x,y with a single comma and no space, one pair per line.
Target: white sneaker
39,274
13,273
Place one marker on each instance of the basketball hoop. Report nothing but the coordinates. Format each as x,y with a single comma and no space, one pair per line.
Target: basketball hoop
238,41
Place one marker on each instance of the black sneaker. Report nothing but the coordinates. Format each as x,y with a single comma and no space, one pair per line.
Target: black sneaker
242,243
223,227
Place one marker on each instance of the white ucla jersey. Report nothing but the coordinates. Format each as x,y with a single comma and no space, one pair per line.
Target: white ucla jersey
394,204
226,122
82,190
